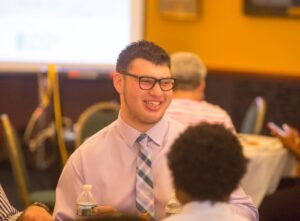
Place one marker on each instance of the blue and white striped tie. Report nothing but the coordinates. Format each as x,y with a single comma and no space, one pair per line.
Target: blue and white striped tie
144,180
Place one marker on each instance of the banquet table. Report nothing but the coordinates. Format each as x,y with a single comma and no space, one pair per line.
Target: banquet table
268,162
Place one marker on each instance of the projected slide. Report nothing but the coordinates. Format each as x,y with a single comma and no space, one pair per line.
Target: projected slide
65,31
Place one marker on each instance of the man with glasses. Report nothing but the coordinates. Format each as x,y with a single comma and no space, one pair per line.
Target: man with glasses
126,161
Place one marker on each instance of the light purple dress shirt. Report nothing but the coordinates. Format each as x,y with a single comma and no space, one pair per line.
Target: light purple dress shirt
107,161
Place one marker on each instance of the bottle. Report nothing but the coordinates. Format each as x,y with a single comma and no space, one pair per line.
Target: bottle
173,206
86,202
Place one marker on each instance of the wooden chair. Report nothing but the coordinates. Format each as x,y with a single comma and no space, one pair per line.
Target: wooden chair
254,117
16,158
95,118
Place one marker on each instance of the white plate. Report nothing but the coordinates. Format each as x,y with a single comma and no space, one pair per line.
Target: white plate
259,142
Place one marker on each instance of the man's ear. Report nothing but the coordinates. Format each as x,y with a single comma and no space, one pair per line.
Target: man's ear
201,91
202,87
118,81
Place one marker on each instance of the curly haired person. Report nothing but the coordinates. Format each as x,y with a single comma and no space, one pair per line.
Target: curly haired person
206,163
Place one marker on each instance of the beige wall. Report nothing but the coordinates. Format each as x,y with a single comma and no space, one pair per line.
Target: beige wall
227,39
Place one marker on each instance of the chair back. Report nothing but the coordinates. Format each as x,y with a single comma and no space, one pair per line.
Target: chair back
254,117
40,138
16,158
95,118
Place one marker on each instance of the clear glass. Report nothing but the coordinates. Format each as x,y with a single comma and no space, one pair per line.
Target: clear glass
86,203
173,206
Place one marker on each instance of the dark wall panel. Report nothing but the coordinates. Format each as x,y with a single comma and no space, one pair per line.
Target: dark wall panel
235,92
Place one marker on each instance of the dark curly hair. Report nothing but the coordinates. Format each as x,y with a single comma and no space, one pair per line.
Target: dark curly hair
142,49
207,162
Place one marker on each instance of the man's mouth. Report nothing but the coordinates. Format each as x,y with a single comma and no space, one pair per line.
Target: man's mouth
153,105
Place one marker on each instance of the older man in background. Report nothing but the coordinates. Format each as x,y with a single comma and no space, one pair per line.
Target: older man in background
188,105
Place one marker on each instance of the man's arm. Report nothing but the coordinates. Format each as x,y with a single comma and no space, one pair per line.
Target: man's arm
14,217
7,211
68,189
228,122
242,205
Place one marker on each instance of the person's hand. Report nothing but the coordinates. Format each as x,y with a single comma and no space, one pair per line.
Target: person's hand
108,211
105,211
35,213
145,217
290,139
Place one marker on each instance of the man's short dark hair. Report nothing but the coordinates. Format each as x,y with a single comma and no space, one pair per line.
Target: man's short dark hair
142,49
207,162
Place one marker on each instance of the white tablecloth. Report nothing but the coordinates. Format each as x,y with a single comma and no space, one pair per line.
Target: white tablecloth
268,162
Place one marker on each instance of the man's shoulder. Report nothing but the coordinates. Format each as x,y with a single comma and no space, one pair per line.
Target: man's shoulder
211,106
192,106
178,103
214,110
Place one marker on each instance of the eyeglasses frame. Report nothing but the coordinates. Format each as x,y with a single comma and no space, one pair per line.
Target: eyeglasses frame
155,80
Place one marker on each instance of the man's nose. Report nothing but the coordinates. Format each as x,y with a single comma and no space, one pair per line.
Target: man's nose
156,90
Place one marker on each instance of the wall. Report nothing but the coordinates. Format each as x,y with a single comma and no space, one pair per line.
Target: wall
20,100
227,39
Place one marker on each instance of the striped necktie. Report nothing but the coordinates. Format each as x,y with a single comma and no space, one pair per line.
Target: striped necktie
144,179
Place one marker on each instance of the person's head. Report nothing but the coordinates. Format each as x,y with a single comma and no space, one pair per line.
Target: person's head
189,70
143,100
207,163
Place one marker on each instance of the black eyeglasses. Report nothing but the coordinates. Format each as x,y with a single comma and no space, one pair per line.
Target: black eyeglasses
147,83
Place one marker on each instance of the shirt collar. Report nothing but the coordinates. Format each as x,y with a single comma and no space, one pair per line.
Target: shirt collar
130,134
158,132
